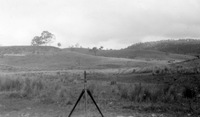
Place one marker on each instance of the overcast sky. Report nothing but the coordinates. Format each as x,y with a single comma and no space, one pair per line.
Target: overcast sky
109,23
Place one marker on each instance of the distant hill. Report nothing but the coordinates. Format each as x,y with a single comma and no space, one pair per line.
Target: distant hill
79,50
133,54
182,49
28,49
181,46
144,54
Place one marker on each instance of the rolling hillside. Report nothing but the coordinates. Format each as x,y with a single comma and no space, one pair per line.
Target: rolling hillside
192,63
68,60
181,46
28,49
22,58
134,54
145,54
79,50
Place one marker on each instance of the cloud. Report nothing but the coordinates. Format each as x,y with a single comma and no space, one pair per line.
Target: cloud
114,23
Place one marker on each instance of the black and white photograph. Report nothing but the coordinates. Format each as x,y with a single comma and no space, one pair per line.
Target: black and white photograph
99,58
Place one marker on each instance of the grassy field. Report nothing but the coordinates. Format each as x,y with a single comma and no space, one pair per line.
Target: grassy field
47,84
125,94
69,60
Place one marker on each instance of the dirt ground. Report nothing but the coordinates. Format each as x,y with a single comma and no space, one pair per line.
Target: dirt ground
32,108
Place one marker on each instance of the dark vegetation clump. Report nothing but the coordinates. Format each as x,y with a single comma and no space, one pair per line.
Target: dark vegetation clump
113,82
176,70
163,94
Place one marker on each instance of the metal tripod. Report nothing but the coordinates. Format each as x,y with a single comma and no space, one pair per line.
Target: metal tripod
85,91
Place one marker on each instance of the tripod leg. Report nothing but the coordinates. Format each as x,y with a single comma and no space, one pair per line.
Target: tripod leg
89,93
76,103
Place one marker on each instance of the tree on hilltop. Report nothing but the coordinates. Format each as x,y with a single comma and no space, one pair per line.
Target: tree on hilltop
59,44
94,50
101,48
45,38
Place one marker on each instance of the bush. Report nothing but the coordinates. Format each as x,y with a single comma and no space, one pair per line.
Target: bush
136,93
148,93
123,91
8,84
113,82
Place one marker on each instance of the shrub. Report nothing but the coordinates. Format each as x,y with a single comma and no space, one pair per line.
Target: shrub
8,84
113,82
135,93
123,91
148,93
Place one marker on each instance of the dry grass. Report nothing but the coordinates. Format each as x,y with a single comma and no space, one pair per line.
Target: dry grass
43,88
64,89
148,97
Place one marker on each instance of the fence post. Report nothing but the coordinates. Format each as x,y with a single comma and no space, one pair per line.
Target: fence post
85,90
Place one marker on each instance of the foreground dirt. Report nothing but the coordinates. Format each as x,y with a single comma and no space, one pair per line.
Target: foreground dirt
32,108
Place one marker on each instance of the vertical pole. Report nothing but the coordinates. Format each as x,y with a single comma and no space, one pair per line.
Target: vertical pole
85,90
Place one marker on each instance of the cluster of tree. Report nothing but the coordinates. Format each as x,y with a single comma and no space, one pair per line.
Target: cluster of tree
73,47
78,47
44,39
95,50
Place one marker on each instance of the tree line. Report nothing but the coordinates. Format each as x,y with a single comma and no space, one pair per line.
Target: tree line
46,38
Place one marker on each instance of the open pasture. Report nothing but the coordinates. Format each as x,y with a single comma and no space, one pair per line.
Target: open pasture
69,61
